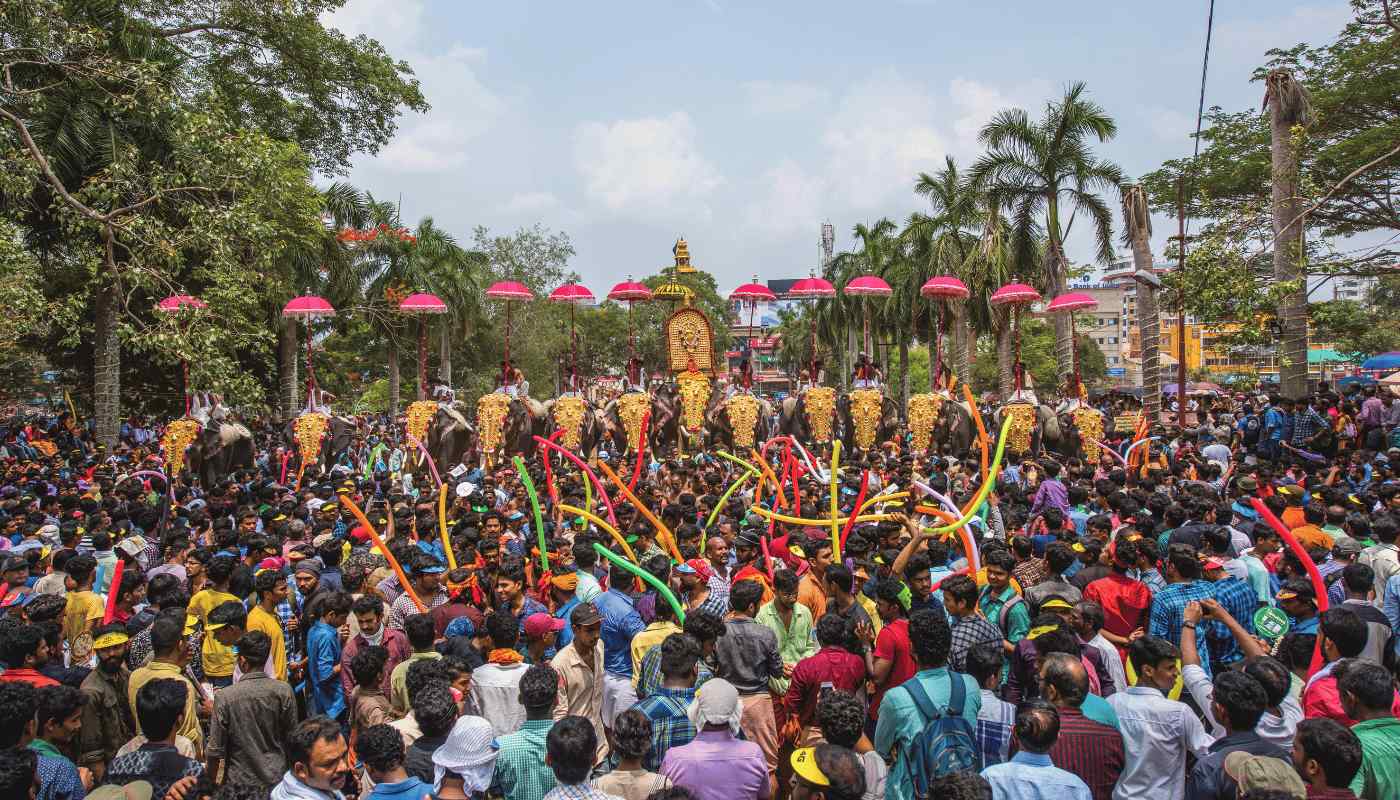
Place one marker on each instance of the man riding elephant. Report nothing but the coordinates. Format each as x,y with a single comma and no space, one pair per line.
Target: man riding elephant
222,445
506,425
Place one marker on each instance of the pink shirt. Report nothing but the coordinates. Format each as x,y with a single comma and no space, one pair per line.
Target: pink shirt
716,766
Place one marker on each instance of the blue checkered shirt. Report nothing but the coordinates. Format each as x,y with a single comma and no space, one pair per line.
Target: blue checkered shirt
1306,424
1169,612
670,725
648,678
1240,599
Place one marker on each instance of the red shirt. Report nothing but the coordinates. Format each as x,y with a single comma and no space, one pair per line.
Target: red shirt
892,644
1124,602
30,676
829,666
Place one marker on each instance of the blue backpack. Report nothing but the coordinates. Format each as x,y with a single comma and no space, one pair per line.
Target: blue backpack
947,743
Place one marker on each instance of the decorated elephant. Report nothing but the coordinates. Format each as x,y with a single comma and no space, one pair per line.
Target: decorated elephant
449,437
622,420
868,417
507,425
1080,426
1034,428
576,423
319,440
678,412
811,416
740,422
219,447
939,423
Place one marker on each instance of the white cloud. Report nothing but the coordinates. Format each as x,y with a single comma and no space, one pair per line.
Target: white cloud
396,24
883,131
978,102
1250,39
783,97
530,202
645,165
787,200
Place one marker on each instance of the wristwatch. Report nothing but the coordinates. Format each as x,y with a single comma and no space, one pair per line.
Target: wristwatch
1190,625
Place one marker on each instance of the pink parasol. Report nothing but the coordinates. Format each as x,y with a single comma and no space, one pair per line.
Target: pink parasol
174,304
812,288
508,291
575,294
867,286
422,304
1016,295
941,288
629,292
1069,303
308,307
752,293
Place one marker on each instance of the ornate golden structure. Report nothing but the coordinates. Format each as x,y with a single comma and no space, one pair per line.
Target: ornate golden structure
866,408
178,436
923,416
681,251
491,411
631,408
309,429
743,410
690,341
819,402
417,418
1090,425
694,389
568,414
1023,418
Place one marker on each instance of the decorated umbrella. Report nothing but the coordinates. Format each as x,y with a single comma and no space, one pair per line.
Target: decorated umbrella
308,307
752,293
508,291
422,304
630,292
173,305
812,288
574,294
1384,361
1016,295
1069,303
941,288
867,286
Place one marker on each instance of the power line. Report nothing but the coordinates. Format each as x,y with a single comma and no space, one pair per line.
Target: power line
1201,103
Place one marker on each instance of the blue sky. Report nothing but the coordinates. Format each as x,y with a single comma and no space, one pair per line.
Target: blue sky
744,126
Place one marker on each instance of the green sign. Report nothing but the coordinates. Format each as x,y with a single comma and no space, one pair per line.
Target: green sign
1270,622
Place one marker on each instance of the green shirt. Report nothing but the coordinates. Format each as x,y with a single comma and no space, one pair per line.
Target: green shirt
1018,619
1379,776
899,722
521,773
794,643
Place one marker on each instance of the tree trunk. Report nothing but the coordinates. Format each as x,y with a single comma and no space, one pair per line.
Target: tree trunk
1288,109
962,343
1139,224
932,343
1005,355
288,365
393,375
106,368
445,352
904,365
1064,344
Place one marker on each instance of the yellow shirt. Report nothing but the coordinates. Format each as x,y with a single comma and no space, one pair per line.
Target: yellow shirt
159,670
218,658
83,610
654,634
260,620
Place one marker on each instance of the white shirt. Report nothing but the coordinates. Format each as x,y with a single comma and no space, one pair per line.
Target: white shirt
497,691
1112,659
1272,728
1157,734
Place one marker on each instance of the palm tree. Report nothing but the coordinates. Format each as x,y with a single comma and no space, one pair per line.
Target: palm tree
990,265
1289,107
1137,230
1042,167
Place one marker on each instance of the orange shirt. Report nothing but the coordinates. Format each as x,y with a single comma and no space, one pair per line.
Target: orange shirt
1312,537
811,594
1293,517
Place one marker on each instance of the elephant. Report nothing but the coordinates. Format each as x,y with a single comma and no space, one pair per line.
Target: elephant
720,427
614,429
222,446
667,430
886,428
794,420
525,419
1046,435
954,431
449,439
1071,443
591,429
335,443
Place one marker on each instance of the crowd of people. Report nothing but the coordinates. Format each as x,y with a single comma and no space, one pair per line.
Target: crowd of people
1097,630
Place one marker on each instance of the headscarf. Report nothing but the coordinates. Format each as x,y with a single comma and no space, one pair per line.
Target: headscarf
468,753
567,581
716,703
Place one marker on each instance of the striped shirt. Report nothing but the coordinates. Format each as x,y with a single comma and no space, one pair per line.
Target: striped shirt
521,773
1089,749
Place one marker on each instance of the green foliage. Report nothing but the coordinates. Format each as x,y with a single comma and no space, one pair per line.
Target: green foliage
1360,330
1038,354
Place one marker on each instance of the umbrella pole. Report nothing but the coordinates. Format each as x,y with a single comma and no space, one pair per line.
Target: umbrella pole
937,347
1074,349
422,358
185,382
573,350
1017,378
310,368
505,365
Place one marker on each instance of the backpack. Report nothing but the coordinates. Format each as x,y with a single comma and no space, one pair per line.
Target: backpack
1251,431
947,743
1005,613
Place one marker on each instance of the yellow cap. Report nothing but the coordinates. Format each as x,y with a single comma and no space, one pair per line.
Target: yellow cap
804,763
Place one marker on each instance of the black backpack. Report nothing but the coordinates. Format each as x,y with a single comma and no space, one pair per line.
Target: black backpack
1251,430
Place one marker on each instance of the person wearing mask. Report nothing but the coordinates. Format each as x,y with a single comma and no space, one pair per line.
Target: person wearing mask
251,720
717,765
1086,748
1368,698
317,752
1158,732
1031,773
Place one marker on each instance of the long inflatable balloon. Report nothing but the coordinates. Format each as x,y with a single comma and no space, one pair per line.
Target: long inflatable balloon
987,484
768,474
602,524
941,499
1139,443
432,465
815,523
661,529
879,499
524,476
963,571
549,469
981,429
661,588
835,508
859,505
722,500
383,548
1108,449
154,473
114,588
803,451
1301,553
442,527
593,476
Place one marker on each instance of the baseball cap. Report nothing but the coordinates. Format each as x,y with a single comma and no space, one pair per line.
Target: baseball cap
1056,602
540,623
584,614
1345,545
1264,772
1212,563
804,763
136,790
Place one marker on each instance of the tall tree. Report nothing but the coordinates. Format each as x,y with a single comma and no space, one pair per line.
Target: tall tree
1046,167
943,241
1137,230
1289,112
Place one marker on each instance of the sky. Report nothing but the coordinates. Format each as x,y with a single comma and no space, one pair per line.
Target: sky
744,126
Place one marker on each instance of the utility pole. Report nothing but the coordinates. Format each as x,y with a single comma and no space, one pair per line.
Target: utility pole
1181,307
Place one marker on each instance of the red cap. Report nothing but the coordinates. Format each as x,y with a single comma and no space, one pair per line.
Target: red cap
540,623
1212,563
